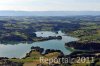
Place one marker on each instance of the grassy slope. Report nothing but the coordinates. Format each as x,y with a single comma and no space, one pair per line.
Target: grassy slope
34,58
88,33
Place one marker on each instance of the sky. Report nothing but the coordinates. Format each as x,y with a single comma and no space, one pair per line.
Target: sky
50,5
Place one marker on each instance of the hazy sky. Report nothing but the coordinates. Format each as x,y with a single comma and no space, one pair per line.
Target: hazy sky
50,5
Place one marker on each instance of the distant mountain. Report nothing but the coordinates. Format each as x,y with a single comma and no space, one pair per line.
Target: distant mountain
48,13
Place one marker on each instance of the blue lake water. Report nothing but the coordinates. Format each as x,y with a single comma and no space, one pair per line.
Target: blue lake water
20,50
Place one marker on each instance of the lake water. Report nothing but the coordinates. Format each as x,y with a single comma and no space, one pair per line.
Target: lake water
20,50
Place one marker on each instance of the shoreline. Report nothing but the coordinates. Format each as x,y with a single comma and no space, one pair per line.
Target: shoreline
36,39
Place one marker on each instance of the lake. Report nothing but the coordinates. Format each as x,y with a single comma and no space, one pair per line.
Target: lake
20,50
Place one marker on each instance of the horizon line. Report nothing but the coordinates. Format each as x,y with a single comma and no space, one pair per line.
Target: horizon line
51,11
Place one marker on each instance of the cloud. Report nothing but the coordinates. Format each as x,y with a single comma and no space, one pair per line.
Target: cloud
50,5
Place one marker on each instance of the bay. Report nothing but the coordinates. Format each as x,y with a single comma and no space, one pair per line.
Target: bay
20,50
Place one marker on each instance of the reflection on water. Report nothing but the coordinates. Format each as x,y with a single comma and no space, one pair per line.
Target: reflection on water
19,50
